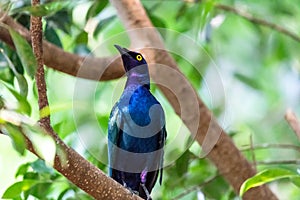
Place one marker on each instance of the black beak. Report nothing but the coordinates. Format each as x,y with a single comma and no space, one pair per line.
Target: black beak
121,49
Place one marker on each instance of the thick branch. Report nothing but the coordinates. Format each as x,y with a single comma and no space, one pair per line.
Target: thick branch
89,178
54,57
259,21
84,174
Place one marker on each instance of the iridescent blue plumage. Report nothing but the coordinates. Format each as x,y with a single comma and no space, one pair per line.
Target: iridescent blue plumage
136,132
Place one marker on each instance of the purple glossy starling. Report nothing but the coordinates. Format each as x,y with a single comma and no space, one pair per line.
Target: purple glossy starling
136,131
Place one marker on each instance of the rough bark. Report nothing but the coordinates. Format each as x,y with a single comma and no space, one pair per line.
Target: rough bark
229,161
37,47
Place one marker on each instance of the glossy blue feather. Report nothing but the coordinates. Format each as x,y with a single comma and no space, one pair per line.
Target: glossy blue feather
136,132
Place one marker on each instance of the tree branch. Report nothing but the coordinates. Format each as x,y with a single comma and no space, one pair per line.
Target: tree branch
74,167
259,21
66,62
294,123
37,47
279,162
269,146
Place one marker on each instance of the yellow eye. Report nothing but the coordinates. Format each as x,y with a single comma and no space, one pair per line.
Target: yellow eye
139,57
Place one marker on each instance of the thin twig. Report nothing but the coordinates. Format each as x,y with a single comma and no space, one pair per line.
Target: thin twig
252,152
279,162
90,67
37,47
259,21
36,40
191,189
269,146
294,123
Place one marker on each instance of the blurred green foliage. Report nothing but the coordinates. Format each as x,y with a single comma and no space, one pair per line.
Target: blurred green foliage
247,74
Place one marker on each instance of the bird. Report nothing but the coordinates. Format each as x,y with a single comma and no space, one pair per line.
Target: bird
136,130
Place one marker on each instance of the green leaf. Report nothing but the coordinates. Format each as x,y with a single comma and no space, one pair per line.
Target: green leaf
41,167
6,75
20,78
31,175
296,181
82,196
39,190
63,193
101,25
16,189
22,169
181,11
266,176
157,21
55,21
96,8
51,36
205,10
182,163
43,143
41,10
22,84
5,4
23,105
17,137
82,38
16,62
251,82
24,52
2,104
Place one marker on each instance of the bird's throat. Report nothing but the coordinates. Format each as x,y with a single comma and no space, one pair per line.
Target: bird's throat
138,79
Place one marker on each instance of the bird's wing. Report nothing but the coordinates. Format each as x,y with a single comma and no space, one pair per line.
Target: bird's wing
161,143
158,160
113,139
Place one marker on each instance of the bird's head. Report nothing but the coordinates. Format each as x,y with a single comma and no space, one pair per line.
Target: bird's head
133,61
